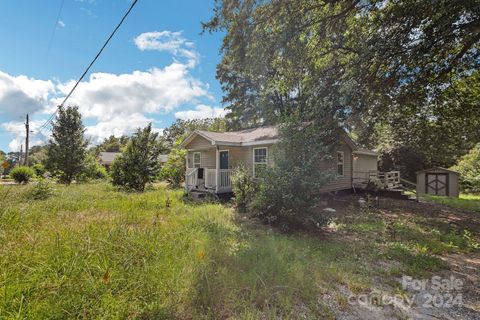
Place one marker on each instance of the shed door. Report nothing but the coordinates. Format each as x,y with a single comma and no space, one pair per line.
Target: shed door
436,183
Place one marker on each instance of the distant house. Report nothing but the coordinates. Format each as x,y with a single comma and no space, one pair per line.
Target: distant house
106,158
212,156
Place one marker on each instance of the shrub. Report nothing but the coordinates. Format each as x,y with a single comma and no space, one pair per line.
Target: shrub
39,169
22,174
243,186
92,170
41,190
290,189
173,171
138,164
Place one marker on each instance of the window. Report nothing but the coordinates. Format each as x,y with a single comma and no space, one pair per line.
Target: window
340,158
260,156
196,160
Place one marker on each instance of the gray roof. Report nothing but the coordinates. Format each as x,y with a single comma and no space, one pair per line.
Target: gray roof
242,136
107,157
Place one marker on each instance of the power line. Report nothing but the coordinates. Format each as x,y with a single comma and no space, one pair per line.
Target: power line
55,26
90,65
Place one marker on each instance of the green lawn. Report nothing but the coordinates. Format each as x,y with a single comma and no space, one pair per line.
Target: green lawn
92,252
469,202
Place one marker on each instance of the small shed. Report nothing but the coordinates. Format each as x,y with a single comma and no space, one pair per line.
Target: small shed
438,181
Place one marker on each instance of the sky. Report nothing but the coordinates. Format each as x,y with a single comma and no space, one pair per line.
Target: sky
159,67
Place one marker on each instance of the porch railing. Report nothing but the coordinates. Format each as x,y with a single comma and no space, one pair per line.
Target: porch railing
225,179
191,178
210,178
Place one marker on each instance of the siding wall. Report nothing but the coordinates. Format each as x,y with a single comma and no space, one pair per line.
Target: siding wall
244,155
362,165
340,183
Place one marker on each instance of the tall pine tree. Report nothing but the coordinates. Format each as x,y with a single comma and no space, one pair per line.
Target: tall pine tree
67,149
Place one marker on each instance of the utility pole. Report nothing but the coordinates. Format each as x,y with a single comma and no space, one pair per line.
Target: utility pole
27,127
20,156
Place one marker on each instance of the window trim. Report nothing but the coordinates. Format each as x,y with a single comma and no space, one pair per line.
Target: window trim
342,163
266,158
193,160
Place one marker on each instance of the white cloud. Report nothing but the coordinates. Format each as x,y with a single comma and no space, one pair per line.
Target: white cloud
61,24
112,103
117,126
17,128
20,95
168,41
201,112
106,95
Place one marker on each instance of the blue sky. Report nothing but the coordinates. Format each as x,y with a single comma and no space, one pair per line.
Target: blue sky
157,68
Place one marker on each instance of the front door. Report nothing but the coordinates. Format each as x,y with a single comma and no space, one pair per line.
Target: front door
223,160
437,184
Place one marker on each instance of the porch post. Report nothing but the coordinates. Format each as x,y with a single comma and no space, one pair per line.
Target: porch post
186,172
217,167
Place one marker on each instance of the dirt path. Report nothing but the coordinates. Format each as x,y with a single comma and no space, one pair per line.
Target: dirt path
430,301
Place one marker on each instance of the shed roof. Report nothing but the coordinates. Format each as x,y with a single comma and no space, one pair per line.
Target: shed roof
438,169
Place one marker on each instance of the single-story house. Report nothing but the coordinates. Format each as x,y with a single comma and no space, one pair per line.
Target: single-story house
212,156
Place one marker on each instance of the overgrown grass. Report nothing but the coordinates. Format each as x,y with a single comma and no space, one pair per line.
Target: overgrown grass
93,252
469,202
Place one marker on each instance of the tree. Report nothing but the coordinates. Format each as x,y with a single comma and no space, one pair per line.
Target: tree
346,57
3,158
469,169
410,66
66,150
112,144
173,171
138,165
180,129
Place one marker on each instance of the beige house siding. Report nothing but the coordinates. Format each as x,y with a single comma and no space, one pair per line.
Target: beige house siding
340,183
237,156
199,143
244,155
362,165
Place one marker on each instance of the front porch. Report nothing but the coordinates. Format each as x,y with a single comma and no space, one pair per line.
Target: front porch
210,180
209,169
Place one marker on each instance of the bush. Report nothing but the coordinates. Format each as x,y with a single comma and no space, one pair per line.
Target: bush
22,174
39,169
289,190
92,170
469,169
173,171
243,186
138,165
41,190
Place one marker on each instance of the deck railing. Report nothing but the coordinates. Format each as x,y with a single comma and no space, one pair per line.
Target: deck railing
390,179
